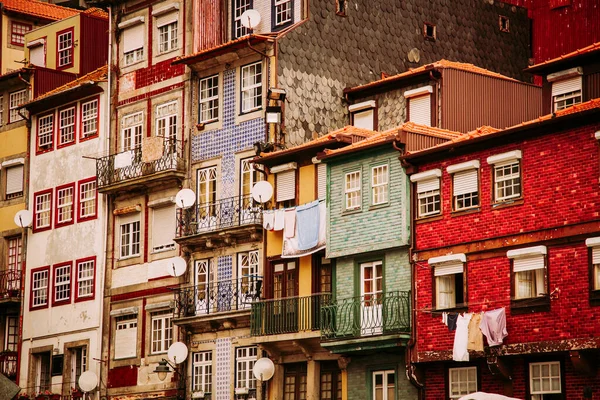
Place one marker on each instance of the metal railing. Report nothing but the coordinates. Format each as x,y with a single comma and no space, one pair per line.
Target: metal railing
130,164
216,297
366,316
8,364
288,315
222,214
10,284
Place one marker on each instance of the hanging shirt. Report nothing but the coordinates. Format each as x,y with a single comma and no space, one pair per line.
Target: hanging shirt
452,317
268,220
493,326
279,223
475,336
461,337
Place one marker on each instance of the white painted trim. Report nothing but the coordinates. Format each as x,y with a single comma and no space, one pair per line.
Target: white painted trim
131,22
165,9
526,252
361,106
36,43
597,135
449,258
14,161
568,73
161,202
498,158
418,91
315,160
284,167
473,164
124,311
163,305
591,242
422,176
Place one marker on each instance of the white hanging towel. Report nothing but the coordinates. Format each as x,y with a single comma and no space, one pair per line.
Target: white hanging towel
279,221
289,219
461,338
268,219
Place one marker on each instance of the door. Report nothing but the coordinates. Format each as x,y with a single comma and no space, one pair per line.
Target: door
248,282
371,316
284,315
295,378
207,198
248,177
202,295
131,141
322,286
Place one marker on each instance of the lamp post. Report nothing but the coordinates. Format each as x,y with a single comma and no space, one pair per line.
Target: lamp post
263,370
162,369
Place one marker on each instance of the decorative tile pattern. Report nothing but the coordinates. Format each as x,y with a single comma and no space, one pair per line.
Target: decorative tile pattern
224,266
224,373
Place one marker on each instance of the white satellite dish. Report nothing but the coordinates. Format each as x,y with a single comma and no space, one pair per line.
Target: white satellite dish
263,369
262,191
178,352
88,381
23,218
185,198
250,19
177,266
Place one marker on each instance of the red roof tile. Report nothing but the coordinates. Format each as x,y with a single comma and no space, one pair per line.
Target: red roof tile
221,48
96,12
39,9
99,75
579,52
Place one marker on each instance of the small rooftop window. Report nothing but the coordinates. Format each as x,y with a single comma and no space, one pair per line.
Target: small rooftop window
429,31
503,23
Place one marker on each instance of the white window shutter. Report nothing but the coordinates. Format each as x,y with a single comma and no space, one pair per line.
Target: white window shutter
364,119
528,263
449,268
126,342
166,19
286,185
322,181
163,228
420,110
566,86
133,38
37,56
428,185
596,255
14,179
465,182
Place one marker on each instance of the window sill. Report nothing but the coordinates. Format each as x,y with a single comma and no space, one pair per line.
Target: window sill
508,203
165,250
160,54
378,206
527,306
456,309
429,218
466,211
353,211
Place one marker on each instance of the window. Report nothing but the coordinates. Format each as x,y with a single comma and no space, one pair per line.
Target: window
283,12
89,119
462,381
285,184
166,124
419,105
247,273
45,133
85,279
167,37
15,100
384,385
448,272
209,99
251,87
132,130
41,364
11,338
40,278
207,195
42,219
162,331
331,382
566,89
202,372
465,185
363,114
64,49
340,7
239,6
379,184
13,261
594,265
503,23
321,181
130,236
62,284
429,31
163,229
544,379
248,177
88,200
529,272
17,33
78,357
126,337
66,126
295,381
507,175
14,182
65,196
1,110
37,52
245,358
428,192
352,190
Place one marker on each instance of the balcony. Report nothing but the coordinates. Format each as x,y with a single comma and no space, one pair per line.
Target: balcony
8,364
10,286
228,302
225,221
378,321
141,166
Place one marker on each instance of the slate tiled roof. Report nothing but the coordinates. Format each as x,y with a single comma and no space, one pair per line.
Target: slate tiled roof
595,47
39,9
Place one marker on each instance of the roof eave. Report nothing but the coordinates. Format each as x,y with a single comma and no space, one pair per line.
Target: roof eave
353,91
275,159
38,103
226,48
545,68
388,140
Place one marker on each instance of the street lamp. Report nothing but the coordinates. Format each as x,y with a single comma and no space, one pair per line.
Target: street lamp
162,369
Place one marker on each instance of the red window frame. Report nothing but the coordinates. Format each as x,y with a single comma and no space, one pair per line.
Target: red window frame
79,192
59,224
36,228
54,268
71,49
12,32
33,271
38,150
59,144
76,272
89,100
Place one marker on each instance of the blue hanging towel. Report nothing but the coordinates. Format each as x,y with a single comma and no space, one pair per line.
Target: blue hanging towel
307,225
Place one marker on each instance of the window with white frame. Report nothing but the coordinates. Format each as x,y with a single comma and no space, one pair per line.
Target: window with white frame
166,125
45,132
448,272
14,247
465,185
89,118
126,336
133,38
251,87
65,48
245,358
379,184
544,379
78,357
428,192
62,283
239,6
419,105
529,272
163,228
352,192
507,175
594,248
37,52
363,114
14,182
566,89
285,184
202,372
131,126
15,100
64,204
207,192
11,337
283,12
161,331
66,126
17,33
39,287
209,99
87,199
85,278
167,37
43,380
43,205
384,385
129,235
461,381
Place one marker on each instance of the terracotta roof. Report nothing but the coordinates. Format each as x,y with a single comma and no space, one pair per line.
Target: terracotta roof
13,73
428,130
579,52
441,64
39,9
221,48
96,12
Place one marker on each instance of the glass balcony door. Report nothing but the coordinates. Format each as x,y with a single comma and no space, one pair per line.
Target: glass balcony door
371,313
202,290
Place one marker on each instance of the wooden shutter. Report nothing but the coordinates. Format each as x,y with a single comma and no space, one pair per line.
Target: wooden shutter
450,268
566,86
14,179
37,56
286,185
428,185
420,110
465,182
528,263
163,228
133,37
322,181
126,340
364,119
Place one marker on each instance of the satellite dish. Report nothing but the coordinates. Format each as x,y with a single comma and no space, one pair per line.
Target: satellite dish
23,218
177,266
178,352
88,381
262,191
250,19
185,198
263,369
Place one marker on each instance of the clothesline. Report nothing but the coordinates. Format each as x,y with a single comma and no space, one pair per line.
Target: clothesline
491,303
291,208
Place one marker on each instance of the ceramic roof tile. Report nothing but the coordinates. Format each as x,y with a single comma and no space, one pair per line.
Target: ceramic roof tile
585,50
231,44
96,12
39,9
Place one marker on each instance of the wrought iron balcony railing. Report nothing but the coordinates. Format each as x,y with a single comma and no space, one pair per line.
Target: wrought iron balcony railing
222,214
8,364
289,315
131,164
216,297
10,284
370,315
